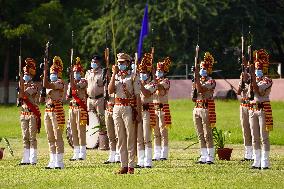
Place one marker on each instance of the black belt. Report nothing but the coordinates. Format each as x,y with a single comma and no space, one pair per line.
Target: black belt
201,105
96,97
257,106
49,105
159,106
145,107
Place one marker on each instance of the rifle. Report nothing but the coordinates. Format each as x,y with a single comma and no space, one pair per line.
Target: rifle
44,67
250,52
19,77
105,74
194,91
70,69
241,61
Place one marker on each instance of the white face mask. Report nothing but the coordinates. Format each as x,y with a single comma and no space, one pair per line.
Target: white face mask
94,65
143,76
258,73
159,74
122,67
26,78
53,77
77,75
203,73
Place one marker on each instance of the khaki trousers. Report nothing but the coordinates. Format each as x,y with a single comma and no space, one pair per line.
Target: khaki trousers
203,128
54,133
258,130
122,117
160,130
111,130
140,137
97,106
78,131
29,131
147,129
244,117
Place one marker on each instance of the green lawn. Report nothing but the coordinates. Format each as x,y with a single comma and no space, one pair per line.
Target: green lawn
179,171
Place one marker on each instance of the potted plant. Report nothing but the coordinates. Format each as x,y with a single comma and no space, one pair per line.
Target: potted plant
7,145
220,138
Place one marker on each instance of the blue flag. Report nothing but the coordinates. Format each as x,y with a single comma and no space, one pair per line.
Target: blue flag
144,31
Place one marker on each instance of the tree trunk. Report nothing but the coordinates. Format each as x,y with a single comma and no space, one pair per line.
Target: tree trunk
6,75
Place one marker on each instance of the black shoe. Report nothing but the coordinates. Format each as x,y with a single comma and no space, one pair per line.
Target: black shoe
155,159
57,168
265,168
81,159
200,162
209,162
48,168
107,162
246,159
163,159
254,167
33,163
71,159
118,162
138,166
148,167
24,163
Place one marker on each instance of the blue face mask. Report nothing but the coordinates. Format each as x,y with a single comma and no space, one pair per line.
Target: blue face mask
143,76
94,65
203,73
77,75
27,78
159,74
258,73
53,77
122,67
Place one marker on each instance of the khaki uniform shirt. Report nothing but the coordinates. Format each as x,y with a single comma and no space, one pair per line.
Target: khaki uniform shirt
81,87
95,82
158,98
57,93
31,92
264,86
150,86
210,85
131,83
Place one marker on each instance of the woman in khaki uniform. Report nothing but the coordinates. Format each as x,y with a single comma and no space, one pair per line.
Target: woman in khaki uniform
260,113
78,114
204,116
162,111
148,88
30,114
54,118
126,89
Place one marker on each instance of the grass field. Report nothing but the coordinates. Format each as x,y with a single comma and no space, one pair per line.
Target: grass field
179,171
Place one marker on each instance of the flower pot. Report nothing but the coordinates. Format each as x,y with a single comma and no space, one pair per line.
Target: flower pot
224,153
1,152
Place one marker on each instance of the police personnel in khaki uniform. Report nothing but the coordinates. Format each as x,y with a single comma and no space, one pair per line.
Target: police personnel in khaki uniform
148,88
30,114
95,101
78,114
204,117
126,89
111,132
162,111
260,113
243,91
54,118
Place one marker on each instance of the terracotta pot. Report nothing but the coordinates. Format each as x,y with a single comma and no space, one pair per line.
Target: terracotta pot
224,153
1,152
